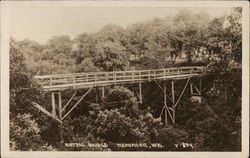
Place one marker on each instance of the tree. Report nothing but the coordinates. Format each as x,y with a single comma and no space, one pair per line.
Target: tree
124,99
111,32
189,32
111,56
25,134
84,47
24,118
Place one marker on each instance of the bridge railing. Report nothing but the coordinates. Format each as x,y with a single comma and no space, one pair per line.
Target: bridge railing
95,78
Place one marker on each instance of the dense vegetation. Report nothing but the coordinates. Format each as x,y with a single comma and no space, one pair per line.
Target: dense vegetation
213,125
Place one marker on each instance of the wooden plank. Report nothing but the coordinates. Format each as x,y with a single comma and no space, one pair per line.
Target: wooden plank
76,103
116,77
45,112
60,105
69,101
53,104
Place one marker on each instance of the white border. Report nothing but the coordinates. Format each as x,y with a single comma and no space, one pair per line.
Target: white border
6,5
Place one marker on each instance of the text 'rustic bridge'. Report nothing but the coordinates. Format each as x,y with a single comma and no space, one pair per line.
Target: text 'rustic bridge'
61,82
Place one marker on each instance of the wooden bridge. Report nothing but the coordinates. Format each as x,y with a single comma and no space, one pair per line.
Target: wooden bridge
56,84
99,79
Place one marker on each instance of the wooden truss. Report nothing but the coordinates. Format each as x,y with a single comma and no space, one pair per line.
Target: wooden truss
53,114
171,102
168,109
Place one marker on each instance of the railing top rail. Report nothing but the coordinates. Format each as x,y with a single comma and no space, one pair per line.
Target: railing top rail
114,72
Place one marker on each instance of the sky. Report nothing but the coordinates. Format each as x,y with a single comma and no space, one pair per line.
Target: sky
41,23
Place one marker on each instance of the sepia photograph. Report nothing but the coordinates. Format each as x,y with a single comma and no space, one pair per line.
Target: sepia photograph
124,77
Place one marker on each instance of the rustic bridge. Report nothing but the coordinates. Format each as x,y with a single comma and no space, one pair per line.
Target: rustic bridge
60,82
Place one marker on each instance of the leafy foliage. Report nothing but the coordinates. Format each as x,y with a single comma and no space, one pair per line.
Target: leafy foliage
185,39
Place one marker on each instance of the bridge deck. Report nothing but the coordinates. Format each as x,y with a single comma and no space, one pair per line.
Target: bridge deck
93,79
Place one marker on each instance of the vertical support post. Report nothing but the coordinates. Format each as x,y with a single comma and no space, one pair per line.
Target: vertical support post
60,115
53,104
165,103
149,73
191,88
164,74
95,79
200,86
173,100
133,77
173,95
114,75
50,82
96,94
140,93
73,78
103,92
106,76
60,106
166,115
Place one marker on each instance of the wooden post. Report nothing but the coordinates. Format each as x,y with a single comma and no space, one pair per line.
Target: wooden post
173,100
133,77
106,76
191,88
173,114
60,115
149,73
53,104
173,95
200,86
95,79
96,94
103,92
164,74
124,75
165,103
60,105
140,93
114,74
166,115
50,82
73,78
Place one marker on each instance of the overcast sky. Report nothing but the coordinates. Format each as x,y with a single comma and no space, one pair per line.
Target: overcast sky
41,23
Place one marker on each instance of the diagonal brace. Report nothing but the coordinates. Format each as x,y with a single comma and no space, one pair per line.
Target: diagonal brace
77,103
170,114
163,90
167,108
69,101
182,93
39,107
196,89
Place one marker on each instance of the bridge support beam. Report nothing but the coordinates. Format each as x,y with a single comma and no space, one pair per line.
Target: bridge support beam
59,105
169,112
140,93
65,106
165,108
103,92
53,111
60,115
96,94
165,103
76,104
173,100
194,90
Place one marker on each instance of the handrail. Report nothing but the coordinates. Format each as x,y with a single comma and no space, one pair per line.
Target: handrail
94,78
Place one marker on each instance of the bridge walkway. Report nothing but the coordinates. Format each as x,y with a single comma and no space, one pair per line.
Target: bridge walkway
61,82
